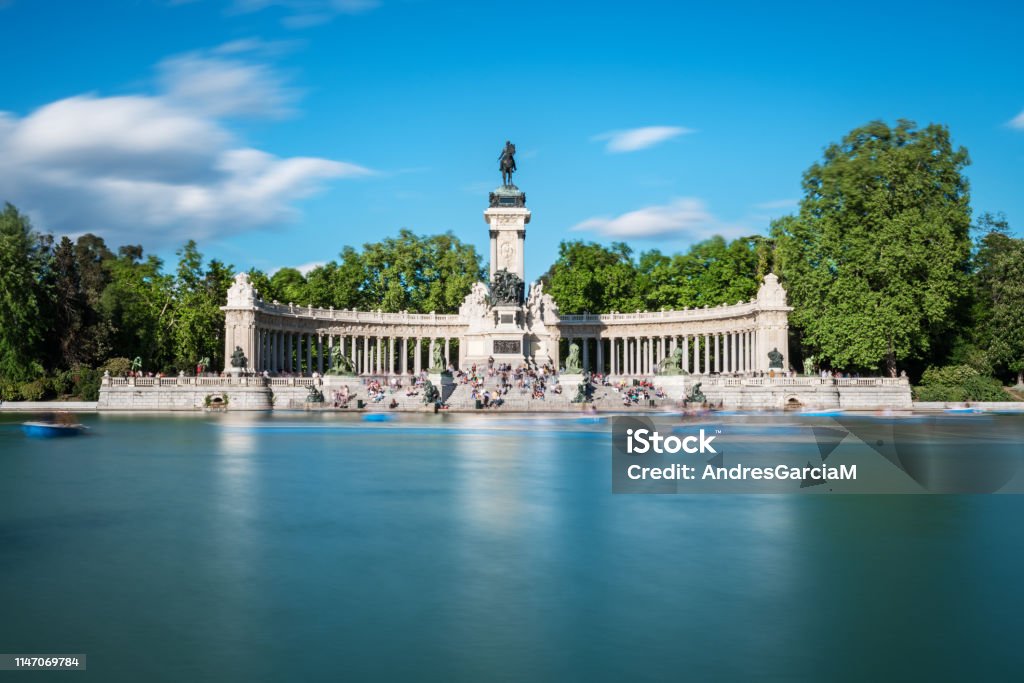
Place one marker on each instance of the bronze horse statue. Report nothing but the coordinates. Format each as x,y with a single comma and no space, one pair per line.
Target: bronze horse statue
507,163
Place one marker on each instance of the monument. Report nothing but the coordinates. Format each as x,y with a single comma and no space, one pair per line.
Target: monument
721,352
505,320
511,329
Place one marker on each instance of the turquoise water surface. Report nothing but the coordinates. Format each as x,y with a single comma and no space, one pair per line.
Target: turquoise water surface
448,548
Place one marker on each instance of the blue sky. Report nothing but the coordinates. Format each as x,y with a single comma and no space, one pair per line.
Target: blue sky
277,131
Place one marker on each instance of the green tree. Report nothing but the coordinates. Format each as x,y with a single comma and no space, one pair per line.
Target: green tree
597,279
288,285
339,285
69,304
876,261
999,287
137,304
591,278
198,321
94,260
414,273
22,258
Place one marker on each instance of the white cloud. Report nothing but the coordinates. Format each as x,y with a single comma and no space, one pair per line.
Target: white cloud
778,204
639,138
1017,121
685,218
306,13
258,46
303,268
144,168
220,86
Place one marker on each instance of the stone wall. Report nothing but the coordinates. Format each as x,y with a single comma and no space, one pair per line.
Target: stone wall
182,397
801,392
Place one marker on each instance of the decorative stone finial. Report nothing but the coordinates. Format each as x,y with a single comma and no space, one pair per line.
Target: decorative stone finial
242,293
771,293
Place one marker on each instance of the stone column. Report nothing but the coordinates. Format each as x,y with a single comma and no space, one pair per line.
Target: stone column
745,346
447,353
752,358
600,355
287,352
416,354
309,353
732,351
707,354
586,353
740,365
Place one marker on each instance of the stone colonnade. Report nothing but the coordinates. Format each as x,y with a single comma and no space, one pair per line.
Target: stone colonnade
285,351
702,354
283,338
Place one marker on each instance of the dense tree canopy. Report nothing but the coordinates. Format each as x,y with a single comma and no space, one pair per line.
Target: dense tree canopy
412,273
23,258
999,298
876,261
591,278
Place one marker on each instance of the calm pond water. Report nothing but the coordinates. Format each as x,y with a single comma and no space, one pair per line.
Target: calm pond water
293,547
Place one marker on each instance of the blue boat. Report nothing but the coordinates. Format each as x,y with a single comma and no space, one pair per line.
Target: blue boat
378,417
49,430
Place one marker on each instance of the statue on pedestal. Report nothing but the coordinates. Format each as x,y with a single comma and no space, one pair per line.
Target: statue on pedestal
696,395
672,364
572,362
507,163
506,288
775,359
238,359
430,393
437,363
583,390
